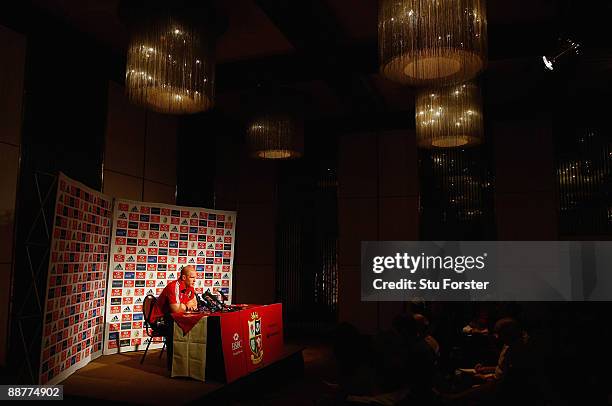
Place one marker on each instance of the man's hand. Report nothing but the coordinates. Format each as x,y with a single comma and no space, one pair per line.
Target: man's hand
481,369
192,304
485,377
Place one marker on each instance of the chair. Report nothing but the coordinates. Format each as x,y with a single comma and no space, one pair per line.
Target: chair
151,328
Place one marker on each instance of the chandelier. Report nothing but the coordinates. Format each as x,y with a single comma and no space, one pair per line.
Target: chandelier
170,61
275,136
449,117
432,42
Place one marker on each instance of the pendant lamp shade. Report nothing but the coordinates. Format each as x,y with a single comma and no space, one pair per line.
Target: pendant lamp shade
171,58
432,42
449,117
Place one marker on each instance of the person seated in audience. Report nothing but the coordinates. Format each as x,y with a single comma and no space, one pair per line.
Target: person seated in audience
479,323
504,378
393,368
423,332
405,366
508,331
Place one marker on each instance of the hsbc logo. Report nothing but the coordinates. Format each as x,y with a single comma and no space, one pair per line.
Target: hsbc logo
236,344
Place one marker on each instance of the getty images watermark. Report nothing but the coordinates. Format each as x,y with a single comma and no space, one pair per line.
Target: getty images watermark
486,270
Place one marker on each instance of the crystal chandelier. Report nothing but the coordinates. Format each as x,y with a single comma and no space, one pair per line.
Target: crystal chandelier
275,136
449,117
432,42
170,62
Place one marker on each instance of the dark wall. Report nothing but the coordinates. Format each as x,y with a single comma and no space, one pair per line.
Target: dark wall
13,47
249,187
526,202
64,118
377,200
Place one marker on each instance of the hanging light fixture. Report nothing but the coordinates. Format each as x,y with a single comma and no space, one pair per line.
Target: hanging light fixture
170,60
276,129
449,117
275,136
432,42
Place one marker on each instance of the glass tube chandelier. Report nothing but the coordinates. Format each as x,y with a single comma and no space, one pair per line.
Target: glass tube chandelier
170,62
432,42
449,117
275,136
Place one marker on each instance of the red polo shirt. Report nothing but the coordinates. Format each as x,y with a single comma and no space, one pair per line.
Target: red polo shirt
175,292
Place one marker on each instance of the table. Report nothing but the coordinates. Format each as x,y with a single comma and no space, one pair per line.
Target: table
226,346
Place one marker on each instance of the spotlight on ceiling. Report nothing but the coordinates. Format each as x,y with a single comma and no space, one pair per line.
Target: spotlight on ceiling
566,46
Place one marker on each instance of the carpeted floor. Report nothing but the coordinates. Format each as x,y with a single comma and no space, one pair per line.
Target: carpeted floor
121,378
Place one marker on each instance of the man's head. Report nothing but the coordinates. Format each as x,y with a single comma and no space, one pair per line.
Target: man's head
422,324
188,276
508,330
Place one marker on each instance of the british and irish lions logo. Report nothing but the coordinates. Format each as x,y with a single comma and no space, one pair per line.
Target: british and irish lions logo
255,339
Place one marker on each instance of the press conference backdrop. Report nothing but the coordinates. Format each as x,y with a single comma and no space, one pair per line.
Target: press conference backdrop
75,295
105,262
150,243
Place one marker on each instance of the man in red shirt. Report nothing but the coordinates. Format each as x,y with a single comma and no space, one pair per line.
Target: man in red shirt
178,296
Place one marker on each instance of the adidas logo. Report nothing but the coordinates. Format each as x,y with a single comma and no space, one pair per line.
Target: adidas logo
161,283
134,209
194,215
184,222
153,244
118,267
127,309
115,319
122,216
141,251
150,292
191,261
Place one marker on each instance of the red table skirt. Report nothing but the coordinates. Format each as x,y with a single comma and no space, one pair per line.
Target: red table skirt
239,342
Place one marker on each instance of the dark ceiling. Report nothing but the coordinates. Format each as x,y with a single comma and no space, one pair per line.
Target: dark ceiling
328,49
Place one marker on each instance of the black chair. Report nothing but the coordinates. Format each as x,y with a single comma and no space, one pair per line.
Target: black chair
151,327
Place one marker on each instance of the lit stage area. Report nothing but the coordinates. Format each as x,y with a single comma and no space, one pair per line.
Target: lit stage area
121,378
307,203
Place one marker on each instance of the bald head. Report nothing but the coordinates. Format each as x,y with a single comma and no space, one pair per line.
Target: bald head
188,275
186,269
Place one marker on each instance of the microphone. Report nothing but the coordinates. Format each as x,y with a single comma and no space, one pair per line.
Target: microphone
214,302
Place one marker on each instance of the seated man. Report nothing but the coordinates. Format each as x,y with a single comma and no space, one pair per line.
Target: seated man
177,297
513,361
